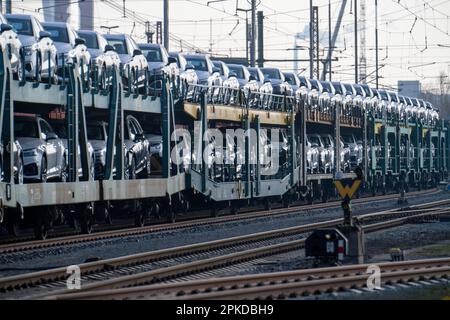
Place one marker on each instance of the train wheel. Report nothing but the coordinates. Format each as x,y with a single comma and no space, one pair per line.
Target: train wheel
171,216
267,204
12,222
139,219
87,218
40,228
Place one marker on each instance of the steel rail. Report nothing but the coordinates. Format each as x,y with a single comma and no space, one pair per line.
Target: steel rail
197,287
52,242
19,281
184,269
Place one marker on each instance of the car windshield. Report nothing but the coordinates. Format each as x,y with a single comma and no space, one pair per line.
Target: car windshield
58,34
315,140
326,141
199,64
219,66
326,86
290,78
366,90
239,71
349,89
338,88
393,96
303,82
271,74
95,133
314,84
25,128
60,130
348,139
359,90
91,40
384,95
152,54
21,26
119,45
254,73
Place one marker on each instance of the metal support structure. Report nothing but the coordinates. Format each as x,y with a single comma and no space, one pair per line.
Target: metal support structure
148,32
253,35
337,139
247,157
356,41
376,46
159,33
258,160
166,24
311,40
316,43
329,42
260,39
337,27
165,108
362,39
8,6
114,142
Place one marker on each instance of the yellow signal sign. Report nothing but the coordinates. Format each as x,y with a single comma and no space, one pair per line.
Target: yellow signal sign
346,191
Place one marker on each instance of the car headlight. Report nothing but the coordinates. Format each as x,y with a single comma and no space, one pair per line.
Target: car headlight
30,153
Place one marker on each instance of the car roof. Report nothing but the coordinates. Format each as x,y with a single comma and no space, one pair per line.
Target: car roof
19,16
117,36
195,56
56,24
236,65
88,32
150,45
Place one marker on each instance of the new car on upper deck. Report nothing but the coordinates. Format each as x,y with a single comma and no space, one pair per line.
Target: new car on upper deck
159,64
279,83
207,74
133,63
9,38
223,69
38,47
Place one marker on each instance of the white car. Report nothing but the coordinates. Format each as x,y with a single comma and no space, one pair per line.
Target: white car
39,49
9,39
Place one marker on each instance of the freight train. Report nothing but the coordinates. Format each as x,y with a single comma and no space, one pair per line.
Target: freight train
84,141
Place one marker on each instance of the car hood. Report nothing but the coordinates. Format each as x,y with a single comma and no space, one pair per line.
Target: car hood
154,138
26,40
125,58
202,75
29,143
97,145
242,82
156,66
276,82
95,53
62,47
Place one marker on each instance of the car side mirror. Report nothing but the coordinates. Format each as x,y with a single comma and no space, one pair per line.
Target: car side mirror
109,47
44,34
79,41
172,60
137,52
51,136
5,27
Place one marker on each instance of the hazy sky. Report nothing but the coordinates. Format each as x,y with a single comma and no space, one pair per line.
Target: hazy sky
410,48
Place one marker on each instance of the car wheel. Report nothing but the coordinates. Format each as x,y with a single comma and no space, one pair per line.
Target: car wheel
44,170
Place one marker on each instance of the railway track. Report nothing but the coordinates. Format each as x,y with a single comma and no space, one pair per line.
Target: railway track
278,285
109,234
161,265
